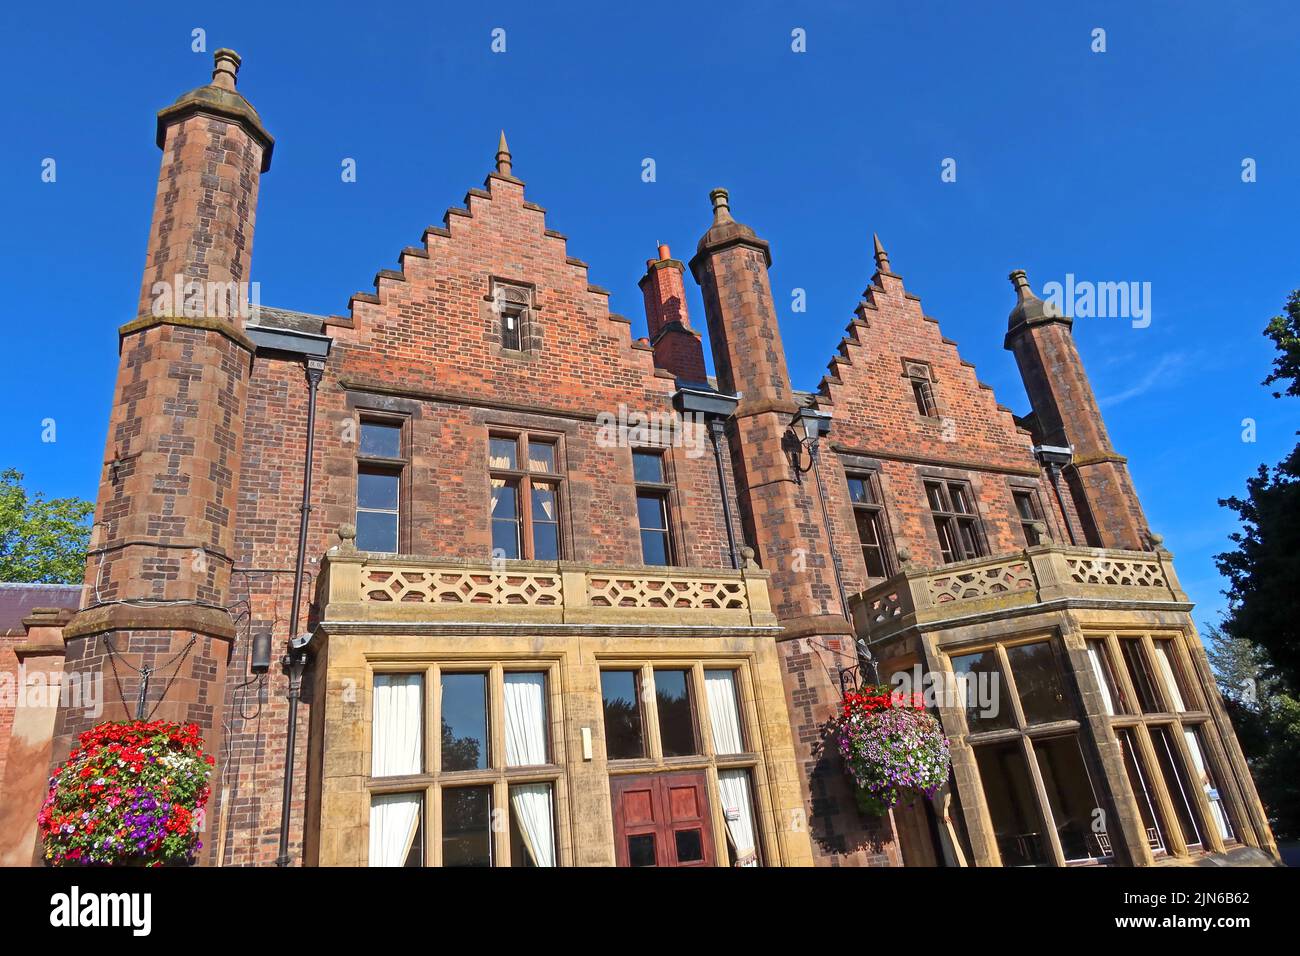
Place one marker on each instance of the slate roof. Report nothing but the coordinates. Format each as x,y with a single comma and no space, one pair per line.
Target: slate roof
17,601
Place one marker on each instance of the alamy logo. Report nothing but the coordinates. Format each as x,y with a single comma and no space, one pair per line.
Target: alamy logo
74,909
1101,300
633,428
196,299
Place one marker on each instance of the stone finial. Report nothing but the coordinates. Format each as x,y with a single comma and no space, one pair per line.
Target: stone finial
1029,308
721,200
504,161
747,559
904,558
347,538
1040,533
1156,540
882,257
225,68
1020,280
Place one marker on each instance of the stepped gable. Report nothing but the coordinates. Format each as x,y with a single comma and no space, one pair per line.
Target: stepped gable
433,323
868,386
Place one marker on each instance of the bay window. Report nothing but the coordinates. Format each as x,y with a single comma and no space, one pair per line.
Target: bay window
685,717
1023,727
490,759
1169,744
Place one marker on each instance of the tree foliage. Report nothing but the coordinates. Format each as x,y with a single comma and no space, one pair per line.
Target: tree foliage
1284,330
1267,722
1263,570
41,541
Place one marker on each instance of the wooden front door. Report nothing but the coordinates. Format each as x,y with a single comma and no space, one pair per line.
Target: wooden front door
662,820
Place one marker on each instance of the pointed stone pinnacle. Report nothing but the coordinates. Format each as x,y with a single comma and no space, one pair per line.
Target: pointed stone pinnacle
504,163
882,257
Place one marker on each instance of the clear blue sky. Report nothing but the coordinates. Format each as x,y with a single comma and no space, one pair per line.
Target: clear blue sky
1119,166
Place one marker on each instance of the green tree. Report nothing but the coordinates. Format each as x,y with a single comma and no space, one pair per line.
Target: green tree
41,542
1284,330
1267,722
1263,570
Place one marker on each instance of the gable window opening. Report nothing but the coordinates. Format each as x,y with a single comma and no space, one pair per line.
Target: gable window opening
652,507
511,303
380,464
955,520
869,519
525,507
923,394
921,379
1030,513
512,328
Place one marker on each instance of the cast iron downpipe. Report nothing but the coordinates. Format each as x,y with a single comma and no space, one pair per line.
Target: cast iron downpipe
296,659
716,426
830,534
1054,474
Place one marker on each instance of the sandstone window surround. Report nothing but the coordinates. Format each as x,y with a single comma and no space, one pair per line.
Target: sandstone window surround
956,521
484,784
512,311
679,715
871,523
525,471
1032,753
1174,757
920,377
653,506
382,457
1029,508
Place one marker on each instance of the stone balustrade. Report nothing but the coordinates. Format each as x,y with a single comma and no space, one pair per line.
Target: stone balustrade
357,587
1003,582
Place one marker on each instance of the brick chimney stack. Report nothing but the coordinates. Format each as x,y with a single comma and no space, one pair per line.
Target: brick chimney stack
162,546
678,347
1042,340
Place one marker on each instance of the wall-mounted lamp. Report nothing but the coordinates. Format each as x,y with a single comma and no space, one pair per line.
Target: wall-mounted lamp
808,427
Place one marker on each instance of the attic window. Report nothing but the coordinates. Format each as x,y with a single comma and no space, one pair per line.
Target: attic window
512,316
922,388
511,329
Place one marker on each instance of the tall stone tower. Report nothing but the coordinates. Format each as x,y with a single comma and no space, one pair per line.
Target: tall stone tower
158,570
785,524
1067,414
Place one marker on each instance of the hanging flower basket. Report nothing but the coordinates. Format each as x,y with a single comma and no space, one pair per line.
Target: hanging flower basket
892,749
133,794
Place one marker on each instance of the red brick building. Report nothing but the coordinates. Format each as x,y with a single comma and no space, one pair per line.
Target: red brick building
539,573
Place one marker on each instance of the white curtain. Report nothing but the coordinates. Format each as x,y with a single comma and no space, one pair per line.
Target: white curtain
397,735
1211,793
531,804
739,810
1099,671
394,819
1167,671
724,715
525,700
